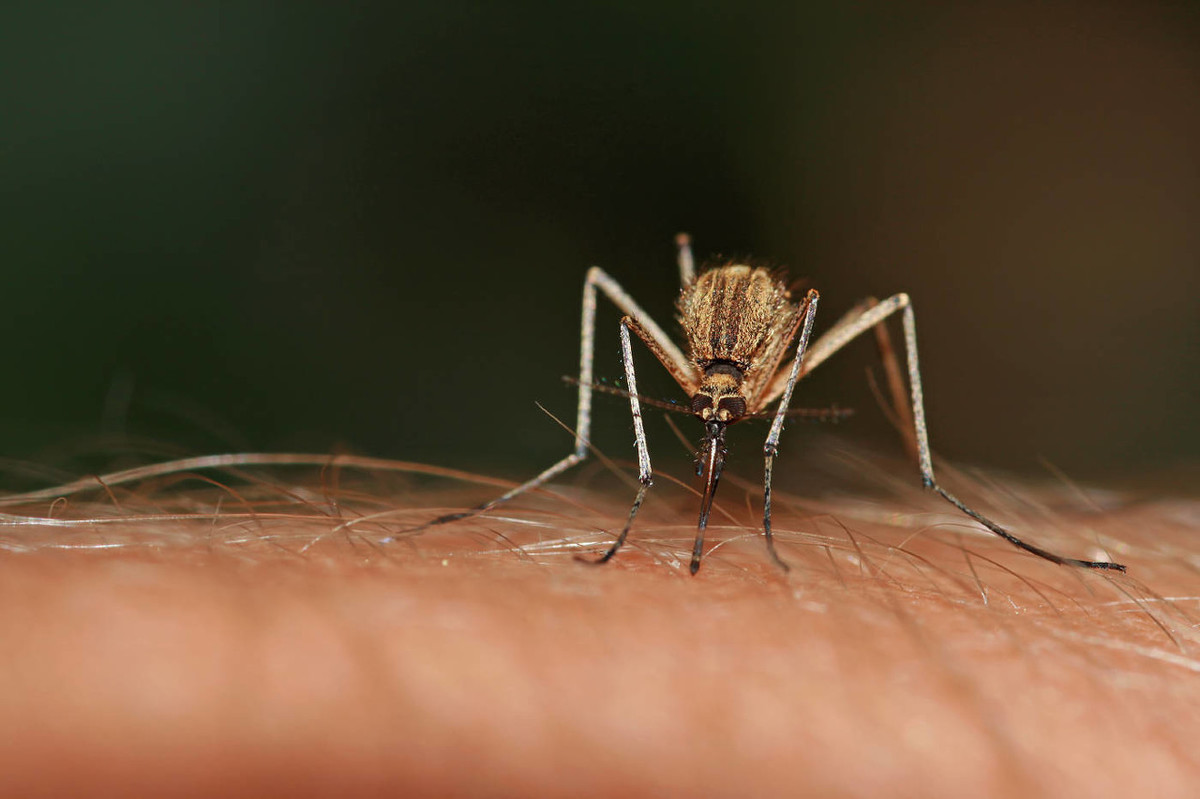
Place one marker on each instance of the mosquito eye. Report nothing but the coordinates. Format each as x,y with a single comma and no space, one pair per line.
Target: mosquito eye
700,402
735,406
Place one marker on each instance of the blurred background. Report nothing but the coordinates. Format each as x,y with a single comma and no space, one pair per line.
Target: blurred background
364,226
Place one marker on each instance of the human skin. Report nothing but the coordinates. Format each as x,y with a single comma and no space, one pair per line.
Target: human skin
235,635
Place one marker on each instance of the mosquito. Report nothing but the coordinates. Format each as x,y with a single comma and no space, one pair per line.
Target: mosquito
739,322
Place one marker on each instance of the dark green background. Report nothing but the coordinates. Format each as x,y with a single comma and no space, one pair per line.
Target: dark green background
365,225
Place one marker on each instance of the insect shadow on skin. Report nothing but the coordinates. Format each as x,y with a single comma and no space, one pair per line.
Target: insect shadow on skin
739,322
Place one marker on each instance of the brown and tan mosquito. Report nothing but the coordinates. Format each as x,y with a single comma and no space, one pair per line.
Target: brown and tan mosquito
739,322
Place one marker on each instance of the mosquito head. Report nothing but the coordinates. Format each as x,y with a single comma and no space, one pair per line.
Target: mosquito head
721,409
720,398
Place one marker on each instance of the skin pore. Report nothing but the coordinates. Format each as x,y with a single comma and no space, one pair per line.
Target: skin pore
262,628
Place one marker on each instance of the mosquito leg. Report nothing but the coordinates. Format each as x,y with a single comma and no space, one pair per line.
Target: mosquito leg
645,475
918,403
685,377
829,344
771,447
663,348
895,382
687,265
836,337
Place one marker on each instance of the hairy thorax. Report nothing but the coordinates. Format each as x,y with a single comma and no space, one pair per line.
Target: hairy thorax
737,321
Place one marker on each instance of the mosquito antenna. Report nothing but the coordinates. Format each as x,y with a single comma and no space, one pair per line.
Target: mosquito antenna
666,405
831,414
